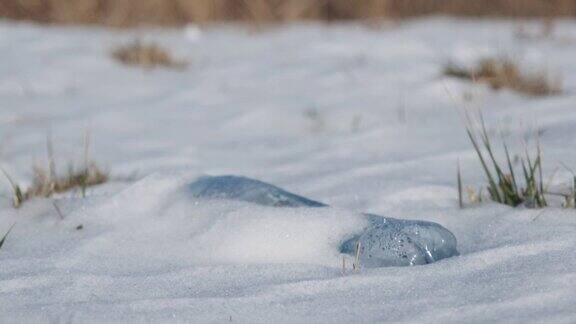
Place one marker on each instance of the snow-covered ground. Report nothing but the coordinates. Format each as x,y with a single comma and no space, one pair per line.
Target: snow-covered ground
357,117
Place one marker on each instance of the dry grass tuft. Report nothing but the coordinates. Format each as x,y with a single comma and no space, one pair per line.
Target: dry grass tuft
46,186
47,182
146,55
504,73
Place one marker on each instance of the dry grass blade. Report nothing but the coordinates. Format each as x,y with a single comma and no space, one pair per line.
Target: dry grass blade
86,152
17,196
492,188
504,184
58,211
6,235
569,198
510,168
459,180
574,191
356,264
50,152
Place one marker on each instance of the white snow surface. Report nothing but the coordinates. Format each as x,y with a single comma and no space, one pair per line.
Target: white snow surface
357,117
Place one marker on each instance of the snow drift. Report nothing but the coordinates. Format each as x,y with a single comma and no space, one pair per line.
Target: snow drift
164,217
384,242
357,118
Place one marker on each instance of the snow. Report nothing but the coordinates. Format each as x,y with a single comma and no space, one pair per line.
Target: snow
356,117
382,242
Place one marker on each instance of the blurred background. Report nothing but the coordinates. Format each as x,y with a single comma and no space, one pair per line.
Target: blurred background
122,13
311,95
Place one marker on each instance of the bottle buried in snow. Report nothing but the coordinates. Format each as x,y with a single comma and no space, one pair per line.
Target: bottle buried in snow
385,242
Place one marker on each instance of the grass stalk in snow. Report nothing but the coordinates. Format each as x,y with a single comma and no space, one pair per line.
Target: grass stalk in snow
356,264
58,211
18,196
573,193
503,185
86,147
5,236
459,180
569,198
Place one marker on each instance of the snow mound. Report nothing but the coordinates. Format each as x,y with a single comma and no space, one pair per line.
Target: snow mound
385,242
175,219
158,220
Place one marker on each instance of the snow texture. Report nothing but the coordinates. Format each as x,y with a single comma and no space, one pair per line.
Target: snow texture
357,117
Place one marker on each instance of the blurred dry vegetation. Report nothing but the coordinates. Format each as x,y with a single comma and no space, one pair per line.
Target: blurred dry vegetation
146,55
504,72
121,13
